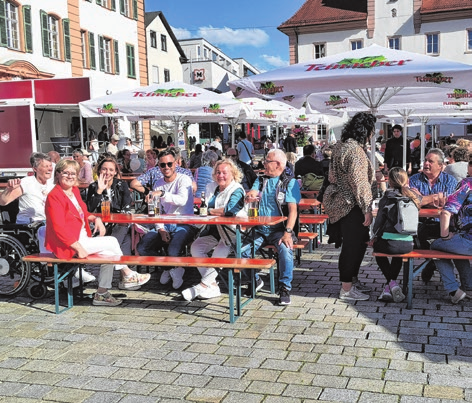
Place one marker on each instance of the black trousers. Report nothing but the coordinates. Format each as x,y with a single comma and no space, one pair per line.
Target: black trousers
391,270
355,237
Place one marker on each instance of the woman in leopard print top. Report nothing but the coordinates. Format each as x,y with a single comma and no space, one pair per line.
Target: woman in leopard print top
348,200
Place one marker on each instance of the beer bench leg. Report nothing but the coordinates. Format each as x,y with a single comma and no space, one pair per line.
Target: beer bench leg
57,280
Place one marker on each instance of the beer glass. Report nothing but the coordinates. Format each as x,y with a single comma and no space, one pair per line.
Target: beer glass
253,209
105,208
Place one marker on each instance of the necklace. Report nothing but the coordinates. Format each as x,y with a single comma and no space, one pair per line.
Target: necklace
69,194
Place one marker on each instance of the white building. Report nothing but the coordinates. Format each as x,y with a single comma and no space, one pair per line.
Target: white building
208,67
432,27
164,53
103,40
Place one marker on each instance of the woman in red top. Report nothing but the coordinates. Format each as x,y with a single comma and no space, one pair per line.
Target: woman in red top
68,233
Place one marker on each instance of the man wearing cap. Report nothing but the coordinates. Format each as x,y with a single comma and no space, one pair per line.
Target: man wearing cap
112,148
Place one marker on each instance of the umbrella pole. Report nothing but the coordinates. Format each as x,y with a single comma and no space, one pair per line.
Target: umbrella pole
81,130
405,142
424,120
276,135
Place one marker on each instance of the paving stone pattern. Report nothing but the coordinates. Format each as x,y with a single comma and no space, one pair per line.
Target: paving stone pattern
157,347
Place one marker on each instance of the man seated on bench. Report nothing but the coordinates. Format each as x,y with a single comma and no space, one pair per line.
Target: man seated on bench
432,184
68,234
176,197
276,193
459,242
31,192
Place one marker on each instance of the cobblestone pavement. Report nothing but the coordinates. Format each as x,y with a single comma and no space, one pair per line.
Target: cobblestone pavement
158,348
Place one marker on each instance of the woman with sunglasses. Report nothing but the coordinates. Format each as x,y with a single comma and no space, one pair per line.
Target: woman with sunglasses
68,234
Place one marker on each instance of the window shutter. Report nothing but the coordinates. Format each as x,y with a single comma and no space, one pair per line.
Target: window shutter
122,7
99,2
135,9
45,33
101,53
28,29
93,65
3,24
117,57
113,5
66,29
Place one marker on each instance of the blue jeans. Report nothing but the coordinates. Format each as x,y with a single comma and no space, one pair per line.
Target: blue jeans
180,235
460,245
285,256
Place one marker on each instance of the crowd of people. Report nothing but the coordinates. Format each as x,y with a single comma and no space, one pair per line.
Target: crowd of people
347,182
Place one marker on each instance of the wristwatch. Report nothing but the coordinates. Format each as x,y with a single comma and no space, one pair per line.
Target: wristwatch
289,230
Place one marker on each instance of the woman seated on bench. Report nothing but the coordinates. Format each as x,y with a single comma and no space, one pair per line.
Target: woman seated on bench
460,242
387,239
68,233
225,198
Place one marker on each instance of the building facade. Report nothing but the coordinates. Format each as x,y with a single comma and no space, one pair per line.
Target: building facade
103,40
432,27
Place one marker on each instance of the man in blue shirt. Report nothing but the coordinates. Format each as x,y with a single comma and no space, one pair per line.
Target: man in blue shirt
433,184
275,192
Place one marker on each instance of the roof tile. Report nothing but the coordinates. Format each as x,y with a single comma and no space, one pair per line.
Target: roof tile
445,5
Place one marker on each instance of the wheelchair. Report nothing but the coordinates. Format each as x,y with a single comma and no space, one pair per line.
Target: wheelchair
17,241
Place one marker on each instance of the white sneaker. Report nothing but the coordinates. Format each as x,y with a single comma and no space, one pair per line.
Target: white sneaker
396,291
189,294
177,274
86,276
165,277
212,291
352,295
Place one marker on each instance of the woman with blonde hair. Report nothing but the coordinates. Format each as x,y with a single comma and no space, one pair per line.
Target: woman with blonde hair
387,239
225,197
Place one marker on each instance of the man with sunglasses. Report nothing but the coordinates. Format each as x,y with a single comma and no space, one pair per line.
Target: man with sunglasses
176,197
278,195
249,176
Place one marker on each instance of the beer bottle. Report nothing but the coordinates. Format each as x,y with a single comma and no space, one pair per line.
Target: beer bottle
203,206
151,211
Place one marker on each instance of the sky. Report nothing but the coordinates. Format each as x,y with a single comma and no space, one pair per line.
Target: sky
246,28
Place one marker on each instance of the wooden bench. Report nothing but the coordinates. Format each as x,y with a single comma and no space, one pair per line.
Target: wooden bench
310,220
234,266
311,236
410,271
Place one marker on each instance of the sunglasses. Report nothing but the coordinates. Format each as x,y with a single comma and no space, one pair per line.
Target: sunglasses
163,164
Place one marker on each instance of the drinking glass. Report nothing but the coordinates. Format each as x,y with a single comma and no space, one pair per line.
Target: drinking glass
105,209
253,209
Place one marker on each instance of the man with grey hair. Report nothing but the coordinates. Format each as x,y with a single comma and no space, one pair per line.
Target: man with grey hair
55,156
278,195
433,184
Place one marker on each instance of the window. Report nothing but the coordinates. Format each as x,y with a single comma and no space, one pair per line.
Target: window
92,59
469,40
153,39
199,52
11,25
321,132
394,42
166,75
163,43
110,4
356,44
105,54
155,74
85,54
205,53
124,7
50,36
130,61
320,50
432,44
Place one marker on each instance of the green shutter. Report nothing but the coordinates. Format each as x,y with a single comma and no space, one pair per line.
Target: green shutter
45,33
28,29
93,65
101,53
99,2
122,7
66,29
117,57
130,61
135,9
113,5
3,25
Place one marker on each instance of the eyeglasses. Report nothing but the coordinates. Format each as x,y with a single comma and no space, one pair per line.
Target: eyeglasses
231,155
163,164
71,174
269,161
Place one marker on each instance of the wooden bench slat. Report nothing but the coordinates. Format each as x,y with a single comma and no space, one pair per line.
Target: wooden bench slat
425,254
307,235
183,261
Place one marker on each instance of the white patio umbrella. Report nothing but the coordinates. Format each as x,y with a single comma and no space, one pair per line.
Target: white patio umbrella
371,75
173,100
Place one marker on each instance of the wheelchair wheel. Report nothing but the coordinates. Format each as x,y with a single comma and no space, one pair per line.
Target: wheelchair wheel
14,273
37,290
42,273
